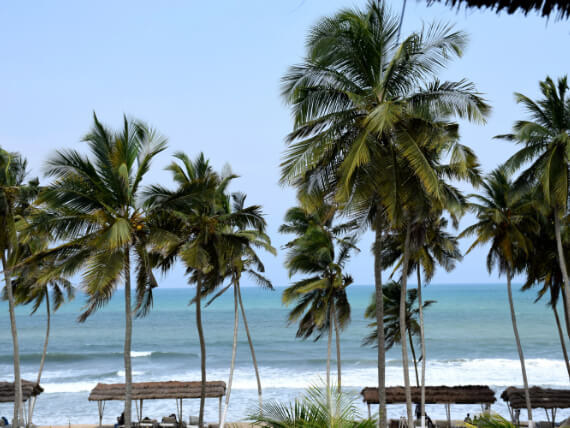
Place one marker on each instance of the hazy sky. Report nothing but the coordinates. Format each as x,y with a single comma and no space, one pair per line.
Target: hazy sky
207,75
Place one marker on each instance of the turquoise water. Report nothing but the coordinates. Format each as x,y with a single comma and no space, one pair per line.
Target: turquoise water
468,335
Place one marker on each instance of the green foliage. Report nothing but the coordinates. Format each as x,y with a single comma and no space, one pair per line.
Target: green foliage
391,293
504,220
321,252
491,421
546,143
430,245
92,206
313,411
212,232
371,120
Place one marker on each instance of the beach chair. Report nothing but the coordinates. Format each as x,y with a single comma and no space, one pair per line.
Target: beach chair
169,422
148,423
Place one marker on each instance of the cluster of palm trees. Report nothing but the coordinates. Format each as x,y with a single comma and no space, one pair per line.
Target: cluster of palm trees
95,219
375,138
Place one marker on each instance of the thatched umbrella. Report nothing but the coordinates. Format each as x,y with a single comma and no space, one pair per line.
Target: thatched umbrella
29,389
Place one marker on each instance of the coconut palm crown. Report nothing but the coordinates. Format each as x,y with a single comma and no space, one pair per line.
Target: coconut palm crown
93,206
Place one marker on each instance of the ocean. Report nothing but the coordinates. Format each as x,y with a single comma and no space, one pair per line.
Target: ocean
469,340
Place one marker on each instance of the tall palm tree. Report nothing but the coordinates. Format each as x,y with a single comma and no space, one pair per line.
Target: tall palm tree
392,332
505,221
245,260
357,99
14,200
546,145
542,268
321,303
431,245
92,206
194,223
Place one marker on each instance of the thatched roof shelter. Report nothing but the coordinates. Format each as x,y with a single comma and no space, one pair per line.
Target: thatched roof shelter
470,394
157,390
559,8
29,389
540,398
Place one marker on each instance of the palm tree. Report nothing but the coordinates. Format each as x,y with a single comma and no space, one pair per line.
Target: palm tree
195,224
431,245
542,268
92,205
321,303
32,286
245,259
546,145
505,222
392,332
313,410
358,99
14,199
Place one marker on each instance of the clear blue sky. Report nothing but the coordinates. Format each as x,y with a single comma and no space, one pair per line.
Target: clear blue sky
206,74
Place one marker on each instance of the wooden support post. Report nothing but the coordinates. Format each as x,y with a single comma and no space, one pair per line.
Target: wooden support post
101,408
220,411
369,412
448,411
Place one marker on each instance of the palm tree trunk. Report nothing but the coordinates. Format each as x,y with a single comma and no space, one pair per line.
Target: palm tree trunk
413,350
561,335
32,403
338,362
566,318
128,339
329,347
259,391
403,327
423,346
562,262
232,365
18,408
202,351
382,416
519,347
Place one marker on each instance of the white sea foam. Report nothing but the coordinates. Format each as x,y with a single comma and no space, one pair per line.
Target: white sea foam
50,388
121,373
136,354
494,372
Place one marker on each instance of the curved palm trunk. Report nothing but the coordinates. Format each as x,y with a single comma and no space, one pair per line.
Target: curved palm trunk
519,347
382,416
423,346
562,342
338,362
329,347
232,365
202,352
403,328
562,262
128,339
413,350
32,403
18,408
259,392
